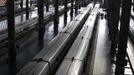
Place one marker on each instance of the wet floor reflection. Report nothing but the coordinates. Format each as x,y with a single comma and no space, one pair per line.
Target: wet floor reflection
22,17
41,32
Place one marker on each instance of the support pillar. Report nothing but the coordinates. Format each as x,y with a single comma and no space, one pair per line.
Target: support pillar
110,16
79,4
83,3
40,22
56,16
21,4
114,26
65,11
72,6
27,9
105,4
76,6
47,5
123,37
11,37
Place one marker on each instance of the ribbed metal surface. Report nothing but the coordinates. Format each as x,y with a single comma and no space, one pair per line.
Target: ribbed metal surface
73,63
56,51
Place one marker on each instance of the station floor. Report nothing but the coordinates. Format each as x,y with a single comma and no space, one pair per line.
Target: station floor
101,60
102,65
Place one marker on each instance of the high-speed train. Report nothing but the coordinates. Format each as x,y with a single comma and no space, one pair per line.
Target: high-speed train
47,63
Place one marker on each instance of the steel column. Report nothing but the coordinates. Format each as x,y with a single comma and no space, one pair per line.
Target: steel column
11,37
79,4
72,6
21,4
27,9
65,11
76,6
56,16
114,26
31,3
123,37
40,22
47,5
